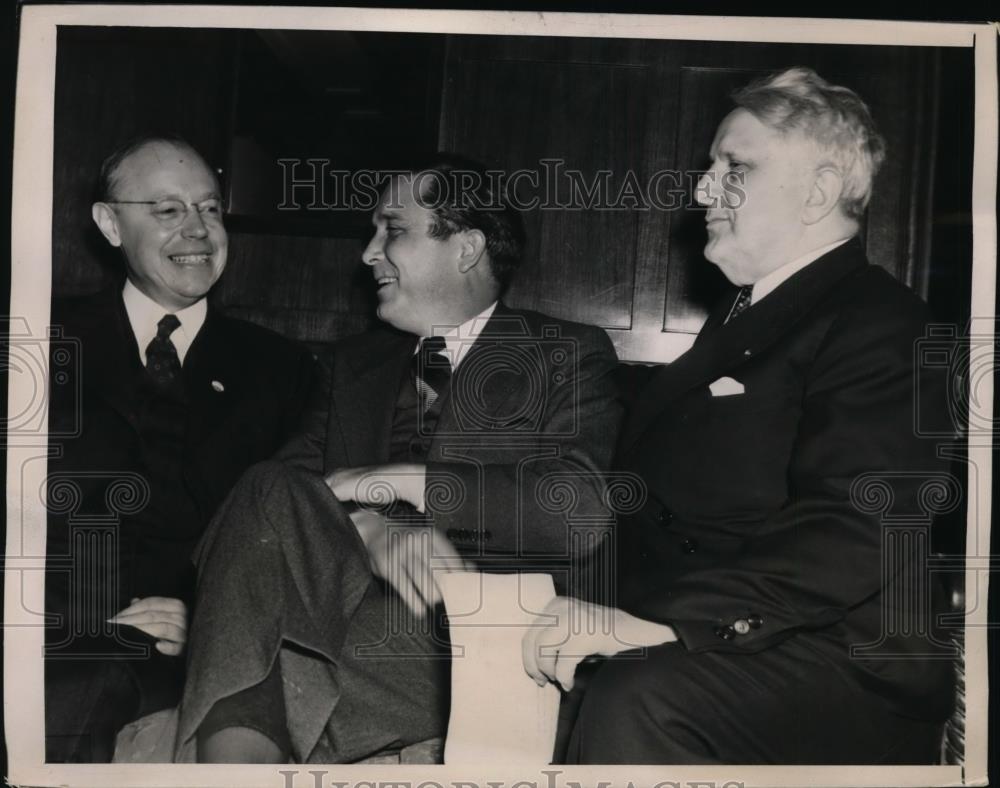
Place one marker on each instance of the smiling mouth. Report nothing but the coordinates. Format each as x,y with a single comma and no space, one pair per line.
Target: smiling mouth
383,281
191,259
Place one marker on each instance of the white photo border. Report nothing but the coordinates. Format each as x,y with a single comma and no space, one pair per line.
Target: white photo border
31,275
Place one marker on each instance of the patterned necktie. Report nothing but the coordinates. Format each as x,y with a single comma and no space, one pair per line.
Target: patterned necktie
742,302
162,363
432,371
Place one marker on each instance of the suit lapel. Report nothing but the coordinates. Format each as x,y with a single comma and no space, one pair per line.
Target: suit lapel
218,371
365,388
722,348
111,367
504,377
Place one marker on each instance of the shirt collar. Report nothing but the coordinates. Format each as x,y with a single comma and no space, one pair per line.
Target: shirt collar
779,275
144,313
459,339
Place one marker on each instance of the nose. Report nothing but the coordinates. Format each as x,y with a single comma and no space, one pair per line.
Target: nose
193,225
706,190
373,252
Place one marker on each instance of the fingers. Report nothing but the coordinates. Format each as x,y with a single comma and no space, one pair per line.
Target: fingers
529,654
154,603
150,617
556,644
414,565
397,557
159,628
408,558
444,556
565,667
169,648
164,618
540,644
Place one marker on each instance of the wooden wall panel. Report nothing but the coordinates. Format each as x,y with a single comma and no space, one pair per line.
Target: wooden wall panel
580,117
307,288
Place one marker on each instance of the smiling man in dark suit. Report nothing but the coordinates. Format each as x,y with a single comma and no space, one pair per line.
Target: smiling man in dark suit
757,566
173,402
471,421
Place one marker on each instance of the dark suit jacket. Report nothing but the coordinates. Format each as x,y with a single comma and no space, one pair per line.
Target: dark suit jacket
766,507
526,433
247,388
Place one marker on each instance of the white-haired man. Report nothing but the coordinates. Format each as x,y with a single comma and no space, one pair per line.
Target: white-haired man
752,572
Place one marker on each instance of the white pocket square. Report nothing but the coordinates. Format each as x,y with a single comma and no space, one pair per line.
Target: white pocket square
725,387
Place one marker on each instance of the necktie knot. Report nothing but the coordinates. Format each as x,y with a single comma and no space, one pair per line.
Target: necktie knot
162,361
743,300
432,370
431,346
167,325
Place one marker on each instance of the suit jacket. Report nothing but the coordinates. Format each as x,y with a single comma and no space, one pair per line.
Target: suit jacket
516,464
766,509
246,388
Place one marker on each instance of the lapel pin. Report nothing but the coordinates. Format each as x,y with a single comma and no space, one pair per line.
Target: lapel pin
217,386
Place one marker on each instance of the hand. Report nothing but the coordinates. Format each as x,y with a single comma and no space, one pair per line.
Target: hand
407,557
164,618
569,630
380,485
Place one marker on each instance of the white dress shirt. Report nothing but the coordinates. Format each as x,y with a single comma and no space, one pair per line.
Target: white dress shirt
458,339
779,275
144,313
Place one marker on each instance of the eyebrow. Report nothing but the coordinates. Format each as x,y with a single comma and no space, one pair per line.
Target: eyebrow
179,198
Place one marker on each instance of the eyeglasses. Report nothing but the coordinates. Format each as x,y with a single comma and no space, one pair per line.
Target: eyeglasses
173,213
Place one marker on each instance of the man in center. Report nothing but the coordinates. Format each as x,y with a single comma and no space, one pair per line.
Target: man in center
445,437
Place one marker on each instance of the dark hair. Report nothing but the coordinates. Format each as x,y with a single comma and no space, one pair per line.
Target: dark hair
464,195
107,180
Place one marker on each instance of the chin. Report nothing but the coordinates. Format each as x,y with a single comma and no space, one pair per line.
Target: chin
385,314
730,272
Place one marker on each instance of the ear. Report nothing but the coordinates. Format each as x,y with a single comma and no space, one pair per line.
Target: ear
472,248
106,220
824,195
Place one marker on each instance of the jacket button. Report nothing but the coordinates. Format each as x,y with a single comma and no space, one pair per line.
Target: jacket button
726,632
755,620
665,516
689,546
742,626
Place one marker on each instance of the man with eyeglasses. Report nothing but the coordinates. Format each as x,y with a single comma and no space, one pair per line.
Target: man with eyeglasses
175,402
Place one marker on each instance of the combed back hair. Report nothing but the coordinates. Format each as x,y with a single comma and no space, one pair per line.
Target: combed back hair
463,195
107,181
834,118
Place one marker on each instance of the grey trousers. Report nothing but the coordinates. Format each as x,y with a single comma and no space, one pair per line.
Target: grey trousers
283,576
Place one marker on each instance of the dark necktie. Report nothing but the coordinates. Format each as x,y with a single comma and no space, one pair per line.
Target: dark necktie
432,371
742,302
162,363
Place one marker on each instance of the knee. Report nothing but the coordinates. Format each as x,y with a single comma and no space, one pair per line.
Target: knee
664,687
263,488
262,477
267,487
618,691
